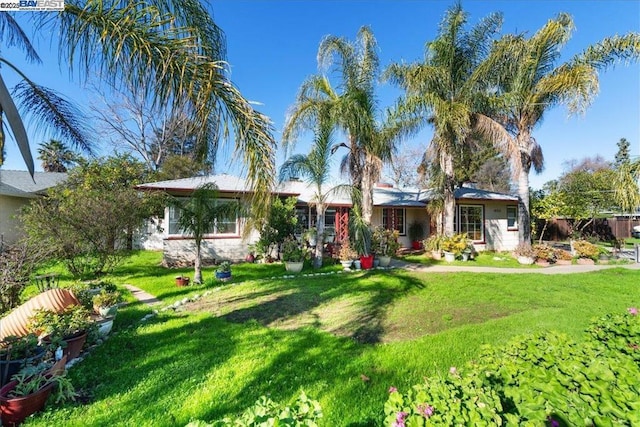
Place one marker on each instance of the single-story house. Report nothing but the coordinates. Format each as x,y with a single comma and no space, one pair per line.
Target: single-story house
490,219
17,188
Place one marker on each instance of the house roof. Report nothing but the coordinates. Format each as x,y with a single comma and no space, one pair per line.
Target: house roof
382,195
20,184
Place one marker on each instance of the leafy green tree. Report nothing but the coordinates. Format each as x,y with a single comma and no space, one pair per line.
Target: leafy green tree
627,191
352,105
530,80
89,220
198,216
280,224
445,91
622,155
56,157
177,45
315,167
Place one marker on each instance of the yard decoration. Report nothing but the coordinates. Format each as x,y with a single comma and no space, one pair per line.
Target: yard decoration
362,237
16,323
346,255
182,281
293,255
223,272
586,252
434,245
454,246
385,243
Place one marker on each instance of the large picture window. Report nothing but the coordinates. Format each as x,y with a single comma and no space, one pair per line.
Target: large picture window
471,219
224,225
394,219
512,217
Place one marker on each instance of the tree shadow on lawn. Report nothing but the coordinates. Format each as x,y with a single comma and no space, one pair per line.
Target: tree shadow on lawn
136,368
352,306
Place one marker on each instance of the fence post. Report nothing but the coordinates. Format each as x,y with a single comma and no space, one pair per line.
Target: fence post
637,252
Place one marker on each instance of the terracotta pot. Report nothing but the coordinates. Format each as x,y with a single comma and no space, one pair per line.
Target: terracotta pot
15,409
366,262
585,261
74,345
15,323
182,281
563,262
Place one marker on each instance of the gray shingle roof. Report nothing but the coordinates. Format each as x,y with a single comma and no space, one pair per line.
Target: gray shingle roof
19,183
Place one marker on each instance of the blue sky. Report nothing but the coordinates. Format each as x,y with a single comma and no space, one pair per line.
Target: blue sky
272,48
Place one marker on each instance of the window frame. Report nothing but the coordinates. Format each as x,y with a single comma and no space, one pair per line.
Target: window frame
482,221
171,220
402,232
516,226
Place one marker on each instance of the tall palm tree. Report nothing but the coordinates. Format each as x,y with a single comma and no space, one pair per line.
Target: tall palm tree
56,156
174,43
530,81
444,91
315,167
353,109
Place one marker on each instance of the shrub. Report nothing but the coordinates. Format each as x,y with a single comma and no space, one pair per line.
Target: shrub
544,252
385,242
303,412
346,253
292,250
17,263
585,249
456,243
524,249
561,254
434,243
544,379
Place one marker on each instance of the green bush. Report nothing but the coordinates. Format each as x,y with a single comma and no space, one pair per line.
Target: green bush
545,379
266,413
585,249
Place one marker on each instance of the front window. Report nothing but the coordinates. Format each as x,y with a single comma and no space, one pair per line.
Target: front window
223,225
393,219
512,217
472,222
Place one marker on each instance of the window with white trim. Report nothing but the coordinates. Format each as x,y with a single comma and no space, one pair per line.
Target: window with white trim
471,221
512,217
394,219
226,225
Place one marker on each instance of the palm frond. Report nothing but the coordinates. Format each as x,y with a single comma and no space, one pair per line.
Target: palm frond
9,109
611,51
12,34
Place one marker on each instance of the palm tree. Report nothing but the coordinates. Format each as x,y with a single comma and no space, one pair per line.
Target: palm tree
175,44
316,168
445,91
55,156
198,216
530,81
352,109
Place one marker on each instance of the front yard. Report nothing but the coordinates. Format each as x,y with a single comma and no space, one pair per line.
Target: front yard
342,338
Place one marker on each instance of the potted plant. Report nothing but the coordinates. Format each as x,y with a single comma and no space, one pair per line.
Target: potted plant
293,255
16,353
453,246
387,243
416,233
106,302
434,245
525,254
586,252
362,237
67,328
544,254
28,392
223,272
562,257
346,255
182,281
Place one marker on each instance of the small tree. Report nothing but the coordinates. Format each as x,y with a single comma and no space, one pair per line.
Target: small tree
198,216
280,224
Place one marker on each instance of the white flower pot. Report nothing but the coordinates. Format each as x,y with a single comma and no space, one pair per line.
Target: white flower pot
449,256
346,263
357,264
294,267
525,260
384,260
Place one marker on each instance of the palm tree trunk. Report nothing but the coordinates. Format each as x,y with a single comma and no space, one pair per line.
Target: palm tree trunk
446,162
317,260
368,181
524,218
197,264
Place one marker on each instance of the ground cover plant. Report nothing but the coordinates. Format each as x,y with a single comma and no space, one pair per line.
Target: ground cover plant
343,338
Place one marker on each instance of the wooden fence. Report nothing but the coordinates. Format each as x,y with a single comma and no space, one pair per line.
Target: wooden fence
607,228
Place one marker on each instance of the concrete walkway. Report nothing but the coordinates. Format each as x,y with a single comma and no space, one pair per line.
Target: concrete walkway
142,296
557,269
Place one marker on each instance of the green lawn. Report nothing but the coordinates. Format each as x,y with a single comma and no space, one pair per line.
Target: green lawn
343,338
482,259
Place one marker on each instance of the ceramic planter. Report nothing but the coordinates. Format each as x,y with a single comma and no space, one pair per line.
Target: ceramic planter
223,275
105,326
357,264
182,281
13,410
465,256
436,255
366,262
294,267
449,256
74,345
346,263
108,311
15,323
416,245
525,260
384,260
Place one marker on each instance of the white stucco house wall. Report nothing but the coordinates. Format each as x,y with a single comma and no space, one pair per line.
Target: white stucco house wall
490,219
17,189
